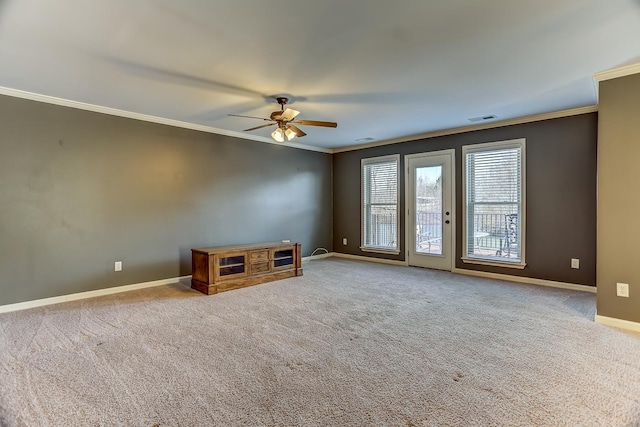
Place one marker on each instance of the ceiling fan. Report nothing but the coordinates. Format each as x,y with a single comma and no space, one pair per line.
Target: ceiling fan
284,119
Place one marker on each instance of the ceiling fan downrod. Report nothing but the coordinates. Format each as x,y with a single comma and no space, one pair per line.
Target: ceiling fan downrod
282,101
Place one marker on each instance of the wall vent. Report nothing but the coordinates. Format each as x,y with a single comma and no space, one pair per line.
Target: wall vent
482,118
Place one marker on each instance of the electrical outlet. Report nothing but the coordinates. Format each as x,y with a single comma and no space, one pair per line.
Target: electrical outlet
344,241
622,290
575,263
117,266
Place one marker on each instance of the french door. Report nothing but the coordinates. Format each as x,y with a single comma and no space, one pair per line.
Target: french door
430,216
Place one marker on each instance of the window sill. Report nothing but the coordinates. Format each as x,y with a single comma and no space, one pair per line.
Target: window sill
380,250
518,265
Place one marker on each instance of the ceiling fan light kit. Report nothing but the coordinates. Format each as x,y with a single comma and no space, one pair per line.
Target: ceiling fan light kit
284,119
290,134
278,135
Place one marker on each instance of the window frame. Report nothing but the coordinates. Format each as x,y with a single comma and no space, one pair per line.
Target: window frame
363,163
491,146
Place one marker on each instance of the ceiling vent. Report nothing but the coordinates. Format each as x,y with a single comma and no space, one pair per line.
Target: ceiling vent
482,118
367,139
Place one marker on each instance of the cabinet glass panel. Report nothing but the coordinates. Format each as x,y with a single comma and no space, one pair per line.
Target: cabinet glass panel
283,253
234,269
282,262
232,260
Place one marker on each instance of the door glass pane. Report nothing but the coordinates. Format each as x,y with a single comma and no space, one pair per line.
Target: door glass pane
428,210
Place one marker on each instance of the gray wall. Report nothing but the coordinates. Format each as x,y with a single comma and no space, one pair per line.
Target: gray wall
80,190
561,195
618,200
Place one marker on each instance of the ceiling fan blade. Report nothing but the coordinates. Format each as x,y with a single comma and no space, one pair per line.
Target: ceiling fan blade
299,133
250,117
259,127
315,123
289,114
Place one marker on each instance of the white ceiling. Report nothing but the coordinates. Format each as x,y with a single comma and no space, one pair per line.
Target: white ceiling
381,69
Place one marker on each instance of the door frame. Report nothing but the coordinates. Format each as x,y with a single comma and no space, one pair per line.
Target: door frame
407,197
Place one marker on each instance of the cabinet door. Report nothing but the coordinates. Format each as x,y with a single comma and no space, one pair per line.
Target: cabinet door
283,258
231,265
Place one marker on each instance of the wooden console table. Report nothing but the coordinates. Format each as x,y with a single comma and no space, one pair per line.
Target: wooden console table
224,268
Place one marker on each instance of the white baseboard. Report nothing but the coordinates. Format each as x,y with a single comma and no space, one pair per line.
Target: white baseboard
527,280
618,323
497,276
370,259
108,291
8,308
89,294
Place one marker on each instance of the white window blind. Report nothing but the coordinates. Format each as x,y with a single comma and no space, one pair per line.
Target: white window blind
494,211
380,203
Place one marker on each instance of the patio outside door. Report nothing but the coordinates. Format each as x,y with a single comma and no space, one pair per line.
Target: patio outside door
430,221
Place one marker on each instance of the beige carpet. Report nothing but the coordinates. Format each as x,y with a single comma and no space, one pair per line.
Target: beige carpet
348,344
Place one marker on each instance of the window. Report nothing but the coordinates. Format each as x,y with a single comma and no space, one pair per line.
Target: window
494,195
380,204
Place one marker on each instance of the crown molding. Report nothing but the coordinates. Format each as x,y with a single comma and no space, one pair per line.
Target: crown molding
471,128
614,73
16,93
